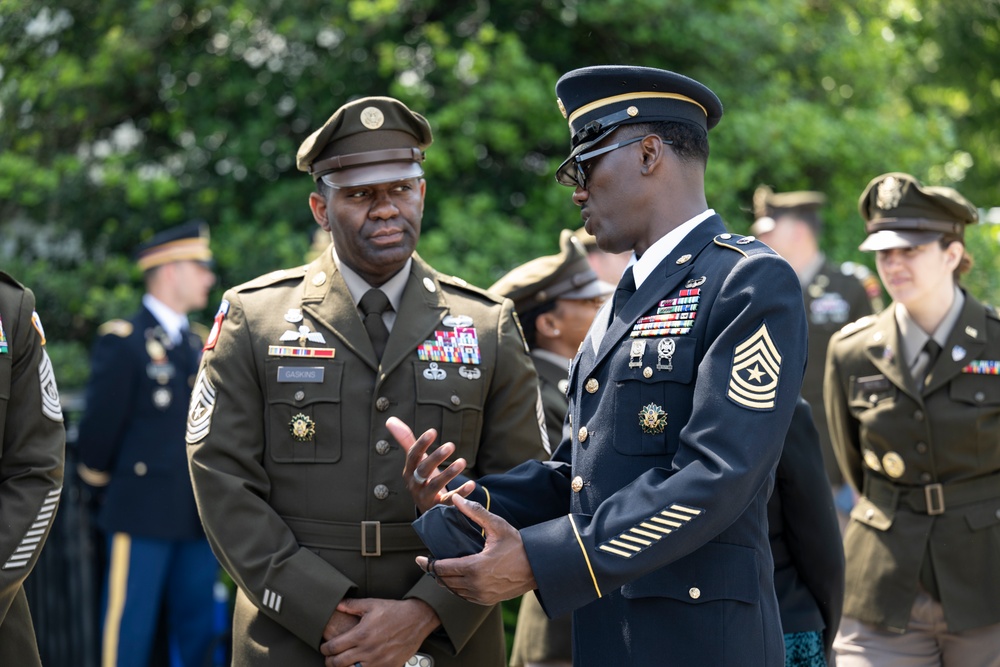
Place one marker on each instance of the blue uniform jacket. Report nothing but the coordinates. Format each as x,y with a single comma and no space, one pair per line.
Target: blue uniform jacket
650,522
132,432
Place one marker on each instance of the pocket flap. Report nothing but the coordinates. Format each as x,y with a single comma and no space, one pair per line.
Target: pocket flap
870,514
983,516
715,572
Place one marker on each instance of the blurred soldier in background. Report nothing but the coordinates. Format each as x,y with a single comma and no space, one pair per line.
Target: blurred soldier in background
790,223
32,447
556,298
131,447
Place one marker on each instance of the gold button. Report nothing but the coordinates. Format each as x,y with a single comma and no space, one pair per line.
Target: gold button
577,484
382,404
455,400
382,447
592,385
319,278
299,395
726,236
647,372
582,434
140,469
870,513
381,491
694,592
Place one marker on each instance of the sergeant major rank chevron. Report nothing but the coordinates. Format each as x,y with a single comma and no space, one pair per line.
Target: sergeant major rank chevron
753,380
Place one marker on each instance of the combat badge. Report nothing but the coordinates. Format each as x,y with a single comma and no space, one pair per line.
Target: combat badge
302,427
636,353
665,354
220,315
200,410
432,372
303,335
753,380
50,392
652,419
470,373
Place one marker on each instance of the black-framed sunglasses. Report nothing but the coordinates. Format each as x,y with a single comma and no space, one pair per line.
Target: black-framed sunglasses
576,175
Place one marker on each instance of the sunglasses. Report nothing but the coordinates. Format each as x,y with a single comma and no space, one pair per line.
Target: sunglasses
576,175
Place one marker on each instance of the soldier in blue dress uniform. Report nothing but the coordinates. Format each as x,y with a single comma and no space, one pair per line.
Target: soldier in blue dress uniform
132,449
650,521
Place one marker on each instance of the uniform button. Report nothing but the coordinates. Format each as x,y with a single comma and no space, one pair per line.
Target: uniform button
918,415
455,400
647,372
926,477
694,592
921,447
577,484
583,434
299,395
382,447
870,513
980,397
382,404
381,491
592,386
140,469
873,398
997,514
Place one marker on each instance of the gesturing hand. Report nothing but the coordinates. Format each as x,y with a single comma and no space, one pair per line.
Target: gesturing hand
424,481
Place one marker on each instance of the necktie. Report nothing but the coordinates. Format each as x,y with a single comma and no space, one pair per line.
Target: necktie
933,351
372,305
624,291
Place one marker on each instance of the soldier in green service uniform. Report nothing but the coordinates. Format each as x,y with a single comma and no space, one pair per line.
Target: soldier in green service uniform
32,450
556,297
295,477
913,400
790,222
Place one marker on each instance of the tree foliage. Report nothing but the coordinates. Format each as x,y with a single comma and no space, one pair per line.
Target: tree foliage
119,118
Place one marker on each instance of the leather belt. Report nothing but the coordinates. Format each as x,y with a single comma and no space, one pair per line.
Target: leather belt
932,499
369,538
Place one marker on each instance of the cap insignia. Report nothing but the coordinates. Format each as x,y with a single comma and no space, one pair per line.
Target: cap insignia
889,193
632,111
562,109
372,118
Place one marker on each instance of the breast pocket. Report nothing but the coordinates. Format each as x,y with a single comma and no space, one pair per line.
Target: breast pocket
653,379
976,401
870,392
303,410
451,401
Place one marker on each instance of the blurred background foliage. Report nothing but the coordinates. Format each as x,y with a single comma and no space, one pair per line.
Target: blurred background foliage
119,118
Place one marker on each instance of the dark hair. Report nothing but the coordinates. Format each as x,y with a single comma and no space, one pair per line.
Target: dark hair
965,264
528,321
323,189
690,143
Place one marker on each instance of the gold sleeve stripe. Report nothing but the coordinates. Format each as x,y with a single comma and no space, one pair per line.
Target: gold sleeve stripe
579,541
672,524
672,515
649,526
689,510
630,547
652,536
633,538
605,547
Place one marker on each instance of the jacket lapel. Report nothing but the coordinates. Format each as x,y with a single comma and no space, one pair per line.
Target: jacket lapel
885,351
966,341
420,310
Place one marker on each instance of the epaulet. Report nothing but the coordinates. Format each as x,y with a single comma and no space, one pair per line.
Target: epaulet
200,330
271,278
857,325
455,281
120,328
991,312
745,245
10,280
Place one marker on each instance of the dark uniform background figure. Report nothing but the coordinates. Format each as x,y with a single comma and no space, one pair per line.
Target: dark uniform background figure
32,447
806,546
650,522
790,222
296,479
556,298
131,444
913,398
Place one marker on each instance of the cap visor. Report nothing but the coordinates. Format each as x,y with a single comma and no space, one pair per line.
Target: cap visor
591,290
385,172
888,239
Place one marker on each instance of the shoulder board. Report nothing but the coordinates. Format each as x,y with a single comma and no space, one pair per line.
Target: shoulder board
991,312
271,278
745,245
455,281
857,325
120,328
10,280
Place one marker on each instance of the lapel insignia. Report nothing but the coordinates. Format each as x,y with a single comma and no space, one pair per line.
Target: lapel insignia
652,419
980,367
319,279
213,336
200,410
302,335
459,345
470,373
649,531
3,340
695,282
434,373
665,353
293,316
745,240
302,427
684,259
957,353
753,380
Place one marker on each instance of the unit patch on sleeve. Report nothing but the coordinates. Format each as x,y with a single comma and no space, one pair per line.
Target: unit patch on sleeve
213,336
200,411
753,380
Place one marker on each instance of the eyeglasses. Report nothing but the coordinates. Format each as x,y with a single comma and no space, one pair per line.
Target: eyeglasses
576,175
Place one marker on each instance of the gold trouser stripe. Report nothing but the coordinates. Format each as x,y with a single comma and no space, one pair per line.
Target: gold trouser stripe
121,546
625,97
586,558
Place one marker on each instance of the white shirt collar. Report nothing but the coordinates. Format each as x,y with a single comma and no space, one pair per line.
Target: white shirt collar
656,253
173,323
914,338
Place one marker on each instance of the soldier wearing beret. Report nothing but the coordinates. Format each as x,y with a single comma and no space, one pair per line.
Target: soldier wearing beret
296,480
131,445
913,399
32,450
649,523
556,297
790,222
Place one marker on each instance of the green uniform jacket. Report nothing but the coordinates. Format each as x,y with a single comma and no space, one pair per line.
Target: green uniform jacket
911,454
833,298
285,513
32,449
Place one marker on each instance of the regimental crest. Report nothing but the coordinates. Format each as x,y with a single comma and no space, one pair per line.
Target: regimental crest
200,410
889,193
652,419
302,427
753,380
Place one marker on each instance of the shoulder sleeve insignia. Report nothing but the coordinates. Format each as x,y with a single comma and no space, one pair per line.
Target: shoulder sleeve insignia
36,322
120,328
213,335
753,380
200,410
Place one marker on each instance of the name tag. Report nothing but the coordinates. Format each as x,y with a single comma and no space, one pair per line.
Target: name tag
873,383
313,374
